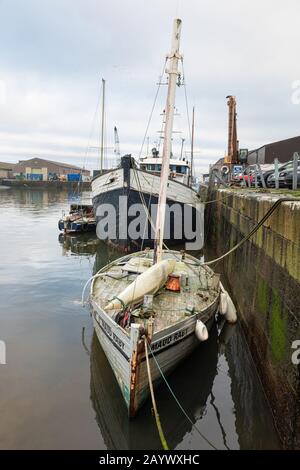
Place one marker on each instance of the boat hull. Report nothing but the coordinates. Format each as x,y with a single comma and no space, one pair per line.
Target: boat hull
126,189
111,414
76,227
128,362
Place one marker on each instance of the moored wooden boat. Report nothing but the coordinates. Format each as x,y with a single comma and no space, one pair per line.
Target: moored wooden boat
169,322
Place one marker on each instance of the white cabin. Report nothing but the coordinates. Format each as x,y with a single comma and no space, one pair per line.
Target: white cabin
179,169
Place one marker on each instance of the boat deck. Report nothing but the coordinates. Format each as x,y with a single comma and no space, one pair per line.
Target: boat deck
168,307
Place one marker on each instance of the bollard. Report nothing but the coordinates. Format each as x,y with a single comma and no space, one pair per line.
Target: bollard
261,176
255,176
295,170
276,173
249,178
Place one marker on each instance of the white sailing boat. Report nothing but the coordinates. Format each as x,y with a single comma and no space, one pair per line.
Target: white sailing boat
166,296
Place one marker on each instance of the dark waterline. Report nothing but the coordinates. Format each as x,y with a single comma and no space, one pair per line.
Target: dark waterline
57,389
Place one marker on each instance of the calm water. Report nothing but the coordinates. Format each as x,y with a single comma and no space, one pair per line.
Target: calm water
57,389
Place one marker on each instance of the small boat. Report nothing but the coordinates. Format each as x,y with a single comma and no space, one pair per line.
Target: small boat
80,219
172,302
162,299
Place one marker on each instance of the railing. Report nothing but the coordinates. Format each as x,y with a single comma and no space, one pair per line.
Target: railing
253,176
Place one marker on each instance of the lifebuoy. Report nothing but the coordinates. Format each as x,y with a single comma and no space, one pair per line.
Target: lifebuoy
225,170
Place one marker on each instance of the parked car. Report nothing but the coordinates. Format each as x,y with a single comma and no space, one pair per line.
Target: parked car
288,179
266,170
240,177
283,171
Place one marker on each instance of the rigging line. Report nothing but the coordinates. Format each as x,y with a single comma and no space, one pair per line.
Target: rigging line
216,200
92,126
88,146
86,152
135,172
144,203
148,210
143,198
186,103
161,132
152,110
177,401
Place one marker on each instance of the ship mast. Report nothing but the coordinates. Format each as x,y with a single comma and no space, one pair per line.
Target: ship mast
102,127
192,148
172,71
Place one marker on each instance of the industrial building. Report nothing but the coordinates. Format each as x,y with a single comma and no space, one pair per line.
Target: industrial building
38,169
283,150
6,170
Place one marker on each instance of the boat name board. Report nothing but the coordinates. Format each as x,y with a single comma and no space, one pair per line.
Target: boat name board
114,338
168,340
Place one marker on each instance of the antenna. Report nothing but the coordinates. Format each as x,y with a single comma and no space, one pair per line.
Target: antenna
192,146
117,144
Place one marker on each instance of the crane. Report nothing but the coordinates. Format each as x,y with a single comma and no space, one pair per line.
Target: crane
232,152
117,144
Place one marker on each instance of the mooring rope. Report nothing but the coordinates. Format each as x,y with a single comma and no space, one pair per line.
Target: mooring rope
254,230
147,345
157,419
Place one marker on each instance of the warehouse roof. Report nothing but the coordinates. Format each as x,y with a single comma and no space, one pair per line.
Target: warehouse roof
6,166
291,140
66,165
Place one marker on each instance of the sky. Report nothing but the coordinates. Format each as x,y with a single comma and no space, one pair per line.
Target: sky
54,54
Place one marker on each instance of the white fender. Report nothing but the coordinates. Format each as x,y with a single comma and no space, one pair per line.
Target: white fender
230,315
223,303
201,331
226,306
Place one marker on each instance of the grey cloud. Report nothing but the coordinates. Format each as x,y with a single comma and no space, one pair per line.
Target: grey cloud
54,53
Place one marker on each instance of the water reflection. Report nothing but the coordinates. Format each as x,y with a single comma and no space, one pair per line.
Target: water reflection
254,424
88,244
217,386
195,376
79,244
29,197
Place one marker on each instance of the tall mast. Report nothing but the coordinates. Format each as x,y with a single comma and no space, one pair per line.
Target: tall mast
102,126
192,147
172,71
